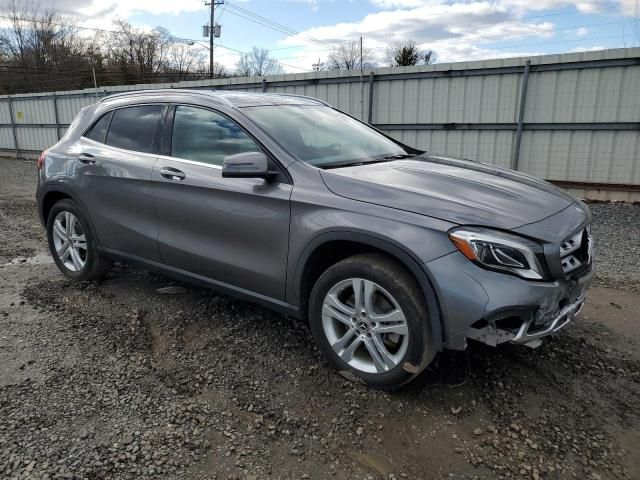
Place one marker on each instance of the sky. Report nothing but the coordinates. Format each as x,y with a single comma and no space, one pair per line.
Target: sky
300,32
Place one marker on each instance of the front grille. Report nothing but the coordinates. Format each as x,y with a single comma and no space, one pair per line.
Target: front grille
576,253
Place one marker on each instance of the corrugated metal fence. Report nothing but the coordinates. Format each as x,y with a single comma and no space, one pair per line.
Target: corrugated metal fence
571,118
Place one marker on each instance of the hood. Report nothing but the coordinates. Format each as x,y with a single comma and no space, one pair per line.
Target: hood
458,191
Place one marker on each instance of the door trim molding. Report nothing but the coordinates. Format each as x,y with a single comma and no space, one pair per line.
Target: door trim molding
241,293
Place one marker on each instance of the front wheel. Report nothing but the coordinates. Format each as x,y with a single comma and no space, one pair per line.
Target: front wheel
369,316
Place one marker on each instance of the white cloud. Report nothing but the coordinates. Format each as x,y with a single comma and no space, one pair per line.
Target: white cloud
312,3
586,49
630,8
126,8
582,31
100,13
454,30
515,6
123,8
398,3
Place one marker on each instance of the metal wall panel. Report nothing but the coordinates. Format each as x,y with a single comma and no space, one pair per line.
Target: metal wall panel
36,138
583,156
344,96
592,95
472,99
5,116
493,146
68,107
6,138
33,110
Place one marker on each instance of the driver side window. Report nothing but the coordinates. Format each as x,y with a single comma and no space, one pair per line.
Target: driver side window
205,136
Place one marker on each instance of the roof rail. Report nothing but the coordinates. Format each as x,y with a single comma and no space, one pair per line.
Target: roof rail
301,96
205,91
199,91
129,93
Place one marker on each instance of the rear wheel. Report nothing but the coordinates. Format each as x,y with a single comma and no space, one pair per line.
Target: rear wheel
369,317
72,243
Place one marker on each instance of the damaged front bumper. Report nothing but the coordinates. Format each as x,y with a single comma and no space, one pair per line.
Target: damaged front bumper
530,331
495,308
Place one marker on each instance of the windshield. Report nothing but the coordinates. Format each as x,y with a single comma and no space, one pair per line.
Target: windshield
322,136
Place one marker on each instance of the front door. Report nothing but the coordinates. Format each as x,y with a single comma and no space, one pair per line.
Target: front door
233,231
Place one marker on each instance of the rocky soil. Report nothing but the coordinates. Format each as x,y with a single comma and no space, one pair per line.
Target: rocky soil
124,380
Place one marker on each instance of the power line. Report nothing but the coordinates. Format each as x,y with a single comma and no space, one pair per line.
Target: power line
558,41
575,12
273,24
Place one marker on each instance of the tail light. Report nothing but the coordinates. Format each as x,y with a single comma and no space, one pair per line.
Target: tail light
43,155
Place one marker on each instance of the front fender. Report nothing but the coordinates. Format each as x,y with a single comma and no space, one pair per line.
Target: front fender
407,258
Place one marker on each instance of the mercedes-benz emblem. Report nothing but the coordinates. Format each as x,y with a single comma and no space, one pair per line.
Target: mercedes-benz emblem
363,326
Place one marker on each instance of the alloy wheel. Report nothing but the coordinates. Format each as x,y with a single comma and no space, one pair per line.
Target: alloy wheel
70,241
365,325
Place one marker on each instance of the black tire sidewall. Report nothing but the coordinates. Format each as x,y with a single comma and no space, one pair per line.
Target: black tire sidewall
87,272
419,351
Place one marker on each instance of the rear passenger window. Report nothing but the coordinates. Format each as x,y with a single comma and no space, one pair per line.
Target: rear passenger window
205,136
99,130
132,128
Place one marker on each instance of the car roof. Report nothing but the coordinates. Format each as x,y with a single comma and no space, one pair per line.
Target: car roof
229,97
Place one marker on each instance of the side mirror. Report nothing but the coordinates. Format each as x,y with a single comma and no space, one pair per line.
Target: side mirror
247,165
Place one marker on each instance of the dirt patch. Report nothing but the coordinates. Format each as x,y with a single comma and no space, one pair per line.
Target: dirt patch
262,402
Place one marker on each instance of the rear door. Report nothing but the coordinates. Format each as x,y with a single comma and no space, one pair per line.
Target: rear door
233,231
111,172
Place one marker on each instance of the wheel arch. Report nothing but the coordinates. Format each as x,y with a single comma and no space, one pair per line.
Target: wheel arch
330,247
52,194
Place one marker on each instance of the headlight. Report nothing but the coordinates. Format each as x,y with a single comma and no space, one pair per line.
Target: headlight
498,251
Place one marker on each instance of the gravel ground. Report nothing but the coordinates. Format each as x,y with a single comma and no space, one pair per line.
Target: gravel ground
114,380
616,229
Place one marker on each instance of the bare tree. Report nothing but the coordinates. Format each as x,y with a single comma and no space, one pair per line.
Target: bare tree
319,66
202,69
135,55
347,57
42,50
258,62
134,51
183,60
36,44
404,54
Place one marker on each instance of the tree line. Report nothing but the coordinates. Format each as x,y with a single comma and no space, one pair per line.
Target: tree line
48,51
43,50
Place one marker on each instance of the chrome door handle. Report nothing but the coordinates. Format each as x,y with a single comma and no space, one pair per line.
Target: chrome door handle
87,158
172,174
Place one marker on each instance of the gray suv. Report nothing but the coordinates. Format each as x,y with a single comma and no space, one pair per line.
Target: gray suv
391,253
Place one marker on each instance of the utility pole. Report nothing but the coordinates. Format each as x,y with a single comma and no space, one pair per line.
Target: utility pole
212,31
95,83
361,85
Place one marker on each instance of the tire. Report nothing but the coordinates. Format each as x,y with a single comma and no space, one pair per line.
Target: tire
407,348
77,263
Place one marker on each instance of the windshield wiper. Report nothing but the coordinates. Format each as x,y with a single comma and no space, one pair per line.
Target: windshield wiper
356,163
400,156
